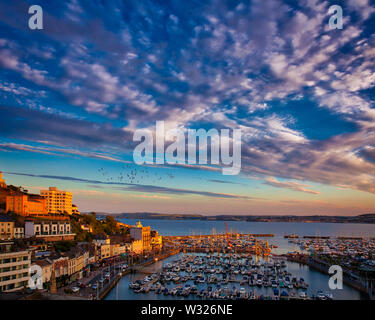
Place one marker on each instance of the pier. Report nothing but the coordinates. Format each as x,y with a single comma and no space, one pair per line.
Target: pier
321,266
221,243
220,236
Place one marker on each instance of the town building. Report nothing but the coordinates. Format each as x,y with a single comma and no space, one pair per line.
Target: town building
58,202
75,209
86,227
156,240
2,181
47,267
138,232
137,247
117,249
104,251
60,268
100,239
78,260
18,231
25,204
14,267
6,227
91,248
49,230
4,192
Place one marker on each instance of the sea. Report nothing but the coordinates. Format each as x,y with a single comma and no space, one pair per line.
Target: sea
316,280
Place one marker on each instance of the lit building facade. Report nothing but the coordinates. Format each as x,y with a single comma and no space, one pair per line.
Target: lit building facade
14,267
75,209
53,230
26,204
156,240
2,181
140,233
58,201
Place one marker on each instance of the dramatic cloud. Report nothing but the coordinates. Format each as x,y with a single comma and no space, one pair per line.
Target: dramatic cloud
292,185
137,187
302,94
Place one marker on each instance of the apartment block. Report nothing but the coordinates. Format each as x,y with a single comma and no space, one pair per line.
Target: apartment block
49,230
14,267
140,233
58,201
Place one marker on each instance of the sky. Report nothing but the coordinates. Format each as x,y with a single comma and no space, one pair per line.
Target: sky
303,95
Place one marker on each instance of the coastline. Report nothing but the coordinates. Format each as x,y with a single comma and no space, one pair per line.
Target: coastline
358,219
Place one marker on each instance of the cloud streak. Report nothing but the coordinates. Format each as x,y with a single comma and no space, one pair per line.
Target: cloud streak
292,185
136,187
254,65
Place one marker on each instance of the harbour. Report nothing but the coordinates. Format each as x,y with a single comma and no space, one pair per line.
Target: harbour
262,268
203,284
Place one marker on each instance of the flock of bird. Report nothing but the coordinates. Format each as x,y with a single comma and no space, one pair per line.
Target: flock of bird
130,174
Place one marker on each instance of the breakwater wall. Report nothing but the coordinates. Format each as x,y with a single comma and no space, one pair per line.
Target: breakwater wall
322,267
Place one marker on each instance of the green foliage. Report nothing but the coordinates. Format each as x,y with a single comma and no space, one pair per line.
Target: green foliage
108,226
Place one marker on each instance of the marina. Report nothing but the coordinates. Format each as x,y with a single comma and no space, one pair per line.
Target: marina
240,265
217,275
223,276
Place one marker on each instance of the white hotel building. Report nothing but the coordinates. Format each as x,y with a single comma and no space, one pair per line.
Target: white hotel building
57,201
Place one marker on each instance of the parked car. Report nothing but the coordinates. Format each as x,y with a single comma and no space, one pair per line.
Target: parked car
82,285
94,286
101,280
75,289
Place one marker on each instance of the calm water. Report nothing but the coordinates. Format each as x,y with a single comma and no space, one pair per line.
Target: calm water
279,229
315,279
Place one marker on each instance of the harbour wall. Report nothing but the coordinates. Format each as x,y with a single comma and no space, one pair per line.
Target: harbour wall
321,267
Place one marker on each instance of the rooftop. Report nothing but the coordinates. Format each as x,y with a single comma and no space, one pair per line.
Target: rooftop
5,218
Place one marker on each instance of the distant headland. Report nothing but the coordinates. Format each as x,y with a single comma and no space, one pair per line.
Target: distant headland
362,218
